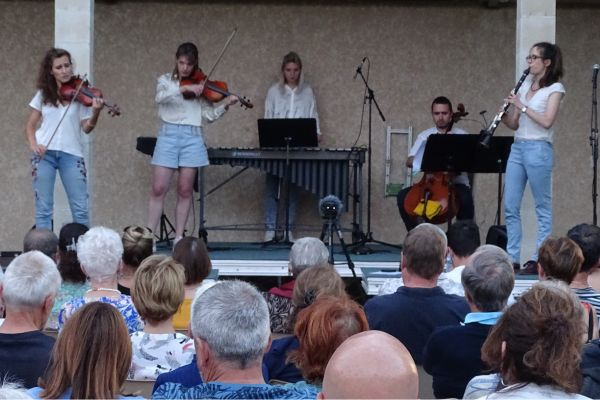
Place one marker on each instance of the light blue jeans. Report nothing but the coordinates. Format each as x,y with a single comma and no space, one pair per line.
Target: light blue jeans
529,160
74,178
271,203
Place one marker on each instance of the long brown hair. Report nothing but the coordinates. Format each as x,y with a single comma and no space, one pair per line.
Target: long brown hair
92,355
46,81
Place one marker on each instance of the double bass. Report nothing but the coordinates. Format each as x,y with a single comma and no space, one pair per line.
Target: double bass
433,198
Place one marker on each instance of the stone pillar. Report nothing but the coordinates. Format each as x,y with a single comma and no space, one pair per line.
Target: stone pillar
78,39
536,22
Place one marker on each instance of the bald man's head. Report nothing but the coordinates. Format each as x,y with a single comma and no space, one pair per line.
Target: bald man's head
370,364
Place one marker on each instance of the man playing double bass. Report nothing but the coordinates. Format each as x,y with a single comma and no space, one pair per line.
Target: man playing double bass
443,117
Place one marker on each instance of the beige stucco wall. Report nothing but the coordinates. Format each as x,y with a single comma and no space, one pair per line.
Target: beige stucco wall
463,51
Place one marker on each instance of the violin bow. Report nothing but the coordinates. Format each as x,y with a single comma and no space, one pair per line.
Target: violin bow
83,79
212,69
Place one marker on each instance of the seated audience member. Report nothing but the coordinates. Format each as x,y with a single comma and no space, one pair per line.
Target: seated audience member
137,246
305,253
41,239
230,325
370,365
99,252
463,240
320,329
157,293
91,357
536,345
590,369
74,281
311,284
191,252
587,236
417,308
453,354
561,259
30,284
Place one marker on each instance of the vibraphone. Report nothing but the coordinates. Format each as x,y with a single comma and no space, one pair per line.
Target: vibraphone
321,171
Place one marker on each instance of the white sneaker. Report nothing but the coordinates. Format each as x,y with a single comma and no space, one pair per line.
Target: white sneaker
269,235
290,236
176,240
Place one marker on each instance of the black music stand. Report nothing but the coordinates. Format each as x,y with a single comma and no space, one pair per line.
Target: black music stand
464,153
146,145
286,132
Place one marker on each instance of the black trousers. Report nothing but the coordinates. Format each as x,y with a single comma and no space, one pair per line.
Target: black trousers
466,209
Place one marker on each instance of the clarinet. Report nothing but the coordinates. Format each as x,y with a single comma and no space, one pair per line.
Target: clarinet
486,134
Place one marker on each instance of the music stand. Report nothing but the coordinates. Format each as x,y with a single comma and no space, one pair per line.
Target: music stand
464,153
286,132
146,145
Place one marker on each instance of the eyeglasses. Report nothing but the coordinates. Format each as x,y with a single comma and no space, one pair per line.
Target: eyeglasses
532,57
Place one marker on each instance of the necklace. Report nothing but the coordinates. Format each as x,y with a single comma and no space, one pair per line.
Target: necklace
104,289
534,90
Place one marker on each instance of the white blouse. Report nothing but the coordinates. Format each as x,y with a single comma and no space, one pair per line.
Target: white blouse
285,102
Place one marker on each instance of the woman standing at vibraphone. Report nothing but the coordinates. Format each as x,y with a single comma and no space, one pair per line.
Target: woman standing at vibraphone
291,97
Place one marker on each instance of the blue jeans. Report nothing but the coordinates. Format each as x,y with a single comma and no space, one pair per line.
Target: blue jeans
271,203
74,178
529,160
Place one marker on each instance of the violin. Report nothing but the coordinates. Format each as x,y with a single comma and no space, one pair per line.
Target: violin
81,90
214,91
432,198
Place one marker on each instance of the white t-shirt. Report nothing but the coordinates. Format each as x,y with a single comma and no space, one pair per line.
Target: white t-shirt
528,128
174,109
285,102
418,149
69,136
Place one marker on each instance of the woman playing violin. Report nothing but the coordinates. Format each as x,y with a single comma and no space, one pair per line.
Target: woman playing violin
180,146
54,132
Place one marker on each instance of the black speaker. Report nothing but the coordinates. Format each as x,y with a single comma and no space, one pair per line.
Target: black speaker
497,236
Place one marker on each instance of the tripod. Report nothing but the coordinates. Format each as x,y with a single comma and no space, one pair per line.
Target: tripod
165,229
329,227
360,246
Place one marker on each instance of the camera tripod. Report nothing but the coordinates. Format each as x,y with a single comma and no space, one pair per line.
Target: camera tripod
329,227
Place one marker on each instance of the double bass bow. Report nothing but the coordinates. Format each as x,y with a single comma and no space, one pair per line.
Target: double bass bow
432,198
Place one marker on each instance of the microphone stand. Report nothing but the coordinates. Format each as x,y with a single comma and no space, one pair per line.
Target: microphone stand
594,144
360,246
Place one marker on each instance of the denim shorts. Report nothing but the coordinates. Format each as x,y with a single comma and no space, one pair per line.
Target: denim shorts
180,146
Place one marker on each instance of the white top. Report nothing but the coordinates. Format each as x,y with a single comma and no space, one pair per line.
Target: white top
174,109
528,128
418,150
69,136
285,102
157,353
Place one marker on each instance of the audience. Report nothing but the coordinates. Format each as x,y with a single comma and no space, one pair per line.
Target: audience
587,236
230,325
41,239
561,259
99,251
29,287
311,284
74,281
157,294
91,357
320,329
370,365
463,239
191,252
137,246
453,354
536,347
305,253
417,308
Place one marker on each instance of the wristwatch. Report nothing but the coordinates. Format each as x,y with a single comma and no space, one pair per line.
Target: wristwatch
524,109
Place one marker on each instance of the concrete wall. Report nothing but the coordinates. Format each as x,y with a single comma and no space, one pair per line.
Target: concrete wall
418,50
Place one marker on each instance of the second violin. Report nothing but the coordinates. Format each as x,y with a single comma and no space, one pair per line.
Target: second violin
214,91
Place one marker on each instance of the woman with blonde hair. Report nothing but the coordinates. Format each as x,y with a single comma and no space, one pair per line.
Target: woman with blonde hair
137,246
157,293
91,357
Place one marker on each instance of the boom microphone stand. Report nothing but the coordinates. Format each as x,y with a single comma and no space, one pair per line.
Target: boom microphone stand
360,246
594,141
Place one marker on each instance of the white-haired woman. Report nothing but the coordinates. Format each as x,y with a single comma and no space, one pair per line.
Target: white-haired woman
99,252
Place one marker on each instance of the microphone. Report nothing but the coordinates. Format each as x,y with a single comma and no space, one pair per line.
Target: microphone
330,207
596,67
359,68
